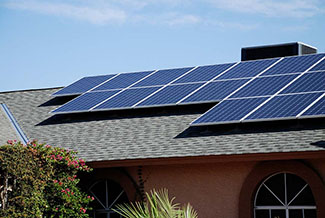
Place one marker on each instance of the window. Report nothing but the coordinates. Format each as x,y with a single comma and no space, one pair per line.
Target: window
284,195
107,194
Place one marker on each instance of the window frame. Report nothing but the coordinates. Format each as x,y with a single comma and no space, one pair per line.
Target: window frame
263,170
285,205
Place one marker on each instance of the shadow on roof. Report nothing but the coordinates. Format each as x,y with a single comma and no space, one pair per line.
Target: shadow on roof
56,101
255,127
127,114
320,144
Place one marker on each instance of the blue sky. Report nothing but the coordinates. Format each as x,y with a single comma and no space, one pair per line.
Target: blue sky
51,43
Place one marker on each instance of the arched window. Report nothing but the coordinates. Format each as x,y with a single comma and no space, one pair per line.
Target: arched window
284,195
107,194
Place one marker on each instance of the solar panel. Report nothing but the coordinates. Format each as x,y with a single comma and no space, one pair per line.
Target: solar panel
85,102
229,111
126,99
122,81
284,106
263,86
163,77
83,85
319,66
204,73
170,94
294,64
243,90
214,91
248,69
318,109
307,83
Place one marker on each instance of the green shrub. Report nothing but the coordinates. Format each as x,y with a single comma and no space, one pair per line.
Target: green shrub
39,180
158,205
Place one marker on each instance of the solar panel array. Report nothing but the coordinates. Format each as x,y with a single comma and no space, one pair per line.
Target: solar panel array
278,93
279,88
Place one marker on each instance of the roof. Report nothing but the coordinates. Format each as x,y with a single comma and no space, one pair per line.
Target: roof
146,134
7,130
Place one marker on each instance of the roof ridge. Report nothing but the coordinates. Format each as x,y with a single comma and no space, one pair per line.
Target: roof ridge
30,90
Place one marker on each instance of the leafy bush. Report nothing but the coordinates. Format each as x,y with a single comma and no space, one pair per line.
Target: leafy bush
158,205
38,180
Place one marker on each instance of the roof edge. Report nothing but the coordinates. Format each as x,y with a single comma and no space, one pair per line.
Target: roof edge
30,90
209,159
14,123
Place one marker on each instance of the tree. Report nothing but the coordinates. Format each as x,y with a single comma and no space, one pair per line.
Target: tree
38,180
158,205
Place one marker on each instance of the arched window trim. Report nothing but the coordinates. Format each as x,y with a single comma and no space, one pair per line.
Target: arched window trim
286,205
264,170
107,208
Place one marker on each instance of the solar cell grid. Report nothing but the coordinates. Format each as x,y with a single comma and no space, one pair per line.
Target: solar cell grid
294,64
85,102
308,82
318,109
283,106
263,86
319,66
215,91
83,85
248,69
229,111
170,94
123,80
204,73
126,99
162,77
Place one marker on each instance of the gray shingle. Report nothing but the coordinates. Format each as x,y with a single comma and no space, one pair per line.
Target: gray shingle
144,137
7,132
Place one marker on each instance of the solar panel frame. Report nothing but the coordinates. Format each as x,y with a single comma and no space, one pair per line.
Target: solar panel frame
123,80
81,85
264,86
123,100
308,82
318,105
204,73
290,64
248,69
253,117
239,112
319,66
163,77
222,86
84,101
169,95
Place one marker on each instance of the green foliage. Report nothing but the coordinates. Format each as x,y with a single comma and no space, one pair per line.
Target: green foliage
38,180
158,205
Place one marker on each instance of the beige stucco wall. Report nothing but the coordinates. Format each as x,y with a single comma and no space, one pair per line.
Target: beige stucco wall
212,189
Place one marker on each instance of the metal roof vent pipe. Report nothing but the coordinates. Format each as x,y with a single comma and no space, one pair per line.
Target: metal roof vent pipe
278,50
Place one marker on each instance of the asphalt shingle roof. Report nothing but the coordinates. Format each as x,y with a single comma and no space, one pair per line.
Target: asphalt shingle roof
7,131
137,137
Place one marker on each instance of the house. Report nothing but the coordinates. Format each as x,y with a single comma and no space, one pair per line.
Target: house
234,169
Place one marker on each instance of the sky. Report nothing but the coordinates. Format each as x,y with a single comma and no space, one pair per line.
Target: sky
52,43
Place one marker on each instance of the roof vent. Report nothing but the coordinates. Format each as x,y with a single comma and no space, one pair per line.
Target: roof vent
279,50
